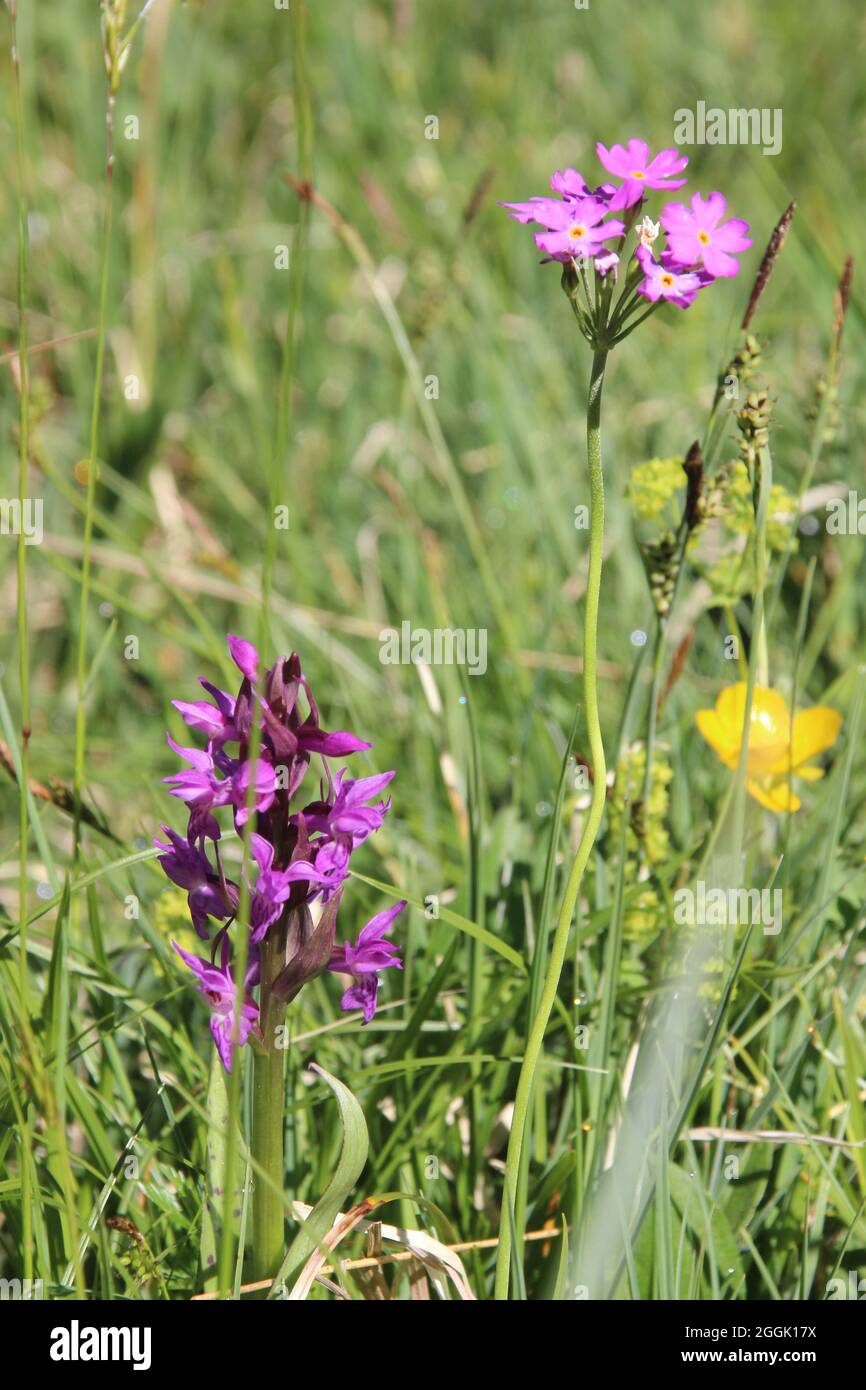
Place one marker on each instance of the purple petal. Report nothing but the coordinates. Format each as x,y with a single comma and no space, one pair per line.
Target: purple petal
222,1029
362,994
335,745
201,761
200,715
365,788
263,852
381,923
244,655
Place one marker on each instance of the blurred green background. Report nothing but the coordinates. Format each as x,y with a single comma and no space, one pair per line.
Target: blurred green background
197,308
382,510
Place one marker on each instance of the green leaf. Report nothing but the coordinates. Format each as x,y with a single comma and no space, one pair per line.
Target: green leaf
559,1289
708,1222
353,1156
217,1106
854,1056
57,1000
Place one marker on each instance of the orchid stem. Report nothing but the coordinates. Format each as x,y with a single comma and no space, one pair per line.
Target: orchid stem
535,1041
268,1120
268,1130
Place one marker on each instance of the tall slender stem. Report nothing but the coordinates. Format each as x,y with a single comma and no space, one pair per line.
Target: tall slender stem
269,1120
23,650
268,1127
239,969
535,1041
81,670
23,471
280,480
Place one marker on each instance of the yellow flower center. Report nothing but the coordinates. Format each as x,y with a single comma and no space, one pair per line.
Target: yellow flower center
704,238
667,281
577,231
637,174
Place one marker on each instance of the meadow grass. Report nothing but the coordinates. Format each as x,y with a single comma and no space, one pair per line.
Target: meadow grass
412,388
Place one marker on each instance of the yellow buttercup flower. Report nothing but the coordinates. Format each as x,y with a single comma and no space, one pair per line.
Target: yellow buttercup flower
779,746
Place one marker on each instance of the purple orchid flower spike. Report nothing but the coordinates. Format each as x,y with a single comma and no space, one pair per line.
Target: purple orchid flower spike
216,985
363,961
299,861
301,857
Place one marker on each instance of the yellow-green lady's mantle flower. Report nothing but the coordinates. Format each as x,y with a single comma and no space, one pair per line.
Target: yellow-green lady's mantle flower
779,746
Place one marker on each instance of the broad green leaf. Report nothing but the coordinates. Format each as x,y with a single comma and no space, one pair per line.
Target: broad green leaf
353,1156
217,1107
708,1223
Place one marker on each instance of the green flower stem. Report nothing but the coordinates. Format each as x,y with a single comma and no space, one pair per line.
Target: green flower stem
268,1120
635,323
535,1041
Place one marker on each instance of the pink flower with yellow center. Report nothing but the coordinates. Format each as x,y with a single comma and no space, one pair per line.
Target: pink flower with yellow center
665,280
632,164
575,228
698,236
779,747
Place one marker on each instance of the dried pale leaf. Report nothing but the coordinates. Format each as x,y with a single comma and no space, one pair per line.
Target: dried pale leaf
433,1254
419,1288
345,1222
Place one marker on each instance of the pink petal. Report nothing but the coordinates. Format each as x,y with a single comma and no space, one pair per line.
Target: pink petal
668,162
244,655
731,236
718,264
708,211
